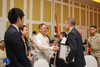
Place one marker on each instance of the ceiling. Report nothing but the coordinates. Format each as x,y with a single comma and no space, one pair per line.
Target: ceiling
89,2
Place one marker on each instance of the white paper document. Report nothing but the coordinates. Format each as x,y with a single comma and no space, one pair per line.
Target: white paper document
63,41
62,52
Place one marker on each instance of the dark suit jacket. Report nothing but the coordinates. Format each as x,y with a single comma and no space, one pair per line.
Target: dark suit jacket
75,43
15,48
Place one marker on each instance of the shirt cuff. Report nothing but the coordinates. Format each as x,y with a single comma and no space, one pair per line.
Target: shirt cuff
51,48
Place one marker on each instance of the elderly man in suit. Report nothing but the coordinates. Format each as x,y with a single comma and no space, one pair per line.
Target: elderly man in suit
15,47
75,42
42,44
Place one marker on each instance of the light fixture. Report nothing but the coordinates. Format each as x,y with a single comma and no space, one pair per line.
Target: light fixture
97,1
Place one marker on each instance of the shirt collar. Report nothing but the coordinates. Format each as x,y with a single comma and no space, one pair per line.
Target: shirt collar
41,35
70,30
16,27
95,35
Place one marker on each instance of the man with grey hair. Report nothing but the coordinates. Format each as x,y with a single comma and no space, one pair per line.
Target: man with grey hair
75,57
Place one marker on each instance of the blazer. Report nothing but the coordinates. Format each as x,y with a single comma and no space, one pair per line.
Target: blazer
15,48
75,42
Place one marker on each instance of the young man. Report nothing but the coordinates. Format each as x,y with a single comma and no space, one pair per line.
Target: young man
15,47
94,44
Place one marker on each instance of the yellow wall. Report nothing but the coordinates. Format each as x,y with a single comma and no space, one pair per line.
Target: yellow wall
83,22
28,9
76,4
7,24
95,19
91,18
83,6
64,29
19,4
87,19
65,13
8,7
76,15
58,11
70,12
99,20
65,1
0,8
35,27
36,10
47,11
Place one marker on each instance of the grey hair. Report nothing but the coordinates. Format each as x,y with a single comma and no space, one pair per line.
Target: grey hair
71,21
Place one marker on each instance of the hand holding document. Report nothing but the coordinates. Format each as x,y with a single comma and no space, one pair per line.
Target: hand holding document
55,48
63,41
64,51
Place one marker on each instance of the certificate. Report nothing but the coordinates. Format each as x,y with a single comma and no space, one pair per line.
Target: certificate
64,51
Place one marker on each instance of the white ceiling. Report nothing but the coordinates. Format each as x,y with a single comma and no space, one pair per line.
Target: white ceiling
89,2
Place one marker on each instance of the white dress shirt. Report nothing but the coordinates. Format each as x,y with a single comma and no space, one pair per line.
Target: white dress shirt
16,27
33,37
43,48
70,29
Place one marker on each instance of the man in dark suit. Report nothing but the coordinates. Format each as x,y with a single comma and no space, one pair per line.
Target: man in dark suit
75,57
15,47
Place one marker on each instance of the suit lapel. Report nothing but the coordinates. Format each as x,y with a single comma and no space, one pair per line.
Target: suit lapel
68,35
20,36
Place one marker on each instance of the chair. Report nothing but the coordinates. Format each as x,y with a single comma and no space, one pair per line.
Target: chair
41,63
90,61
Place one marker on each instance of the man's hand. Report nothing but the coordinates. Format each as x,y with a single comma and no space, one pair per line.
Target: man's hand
55,48
87,51
55,41
66,61
30,58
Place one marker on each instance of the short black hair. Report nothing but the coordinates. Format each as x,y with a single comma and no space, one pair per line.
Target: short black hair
93,27
41,25
13,14
34,32
64,34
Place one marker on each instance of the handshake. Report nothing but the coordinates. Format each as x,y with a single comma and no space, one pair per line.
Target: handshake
55,48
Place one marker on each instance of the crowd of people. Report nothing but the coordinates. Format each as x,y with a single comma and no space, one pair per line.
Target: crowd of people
24,52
